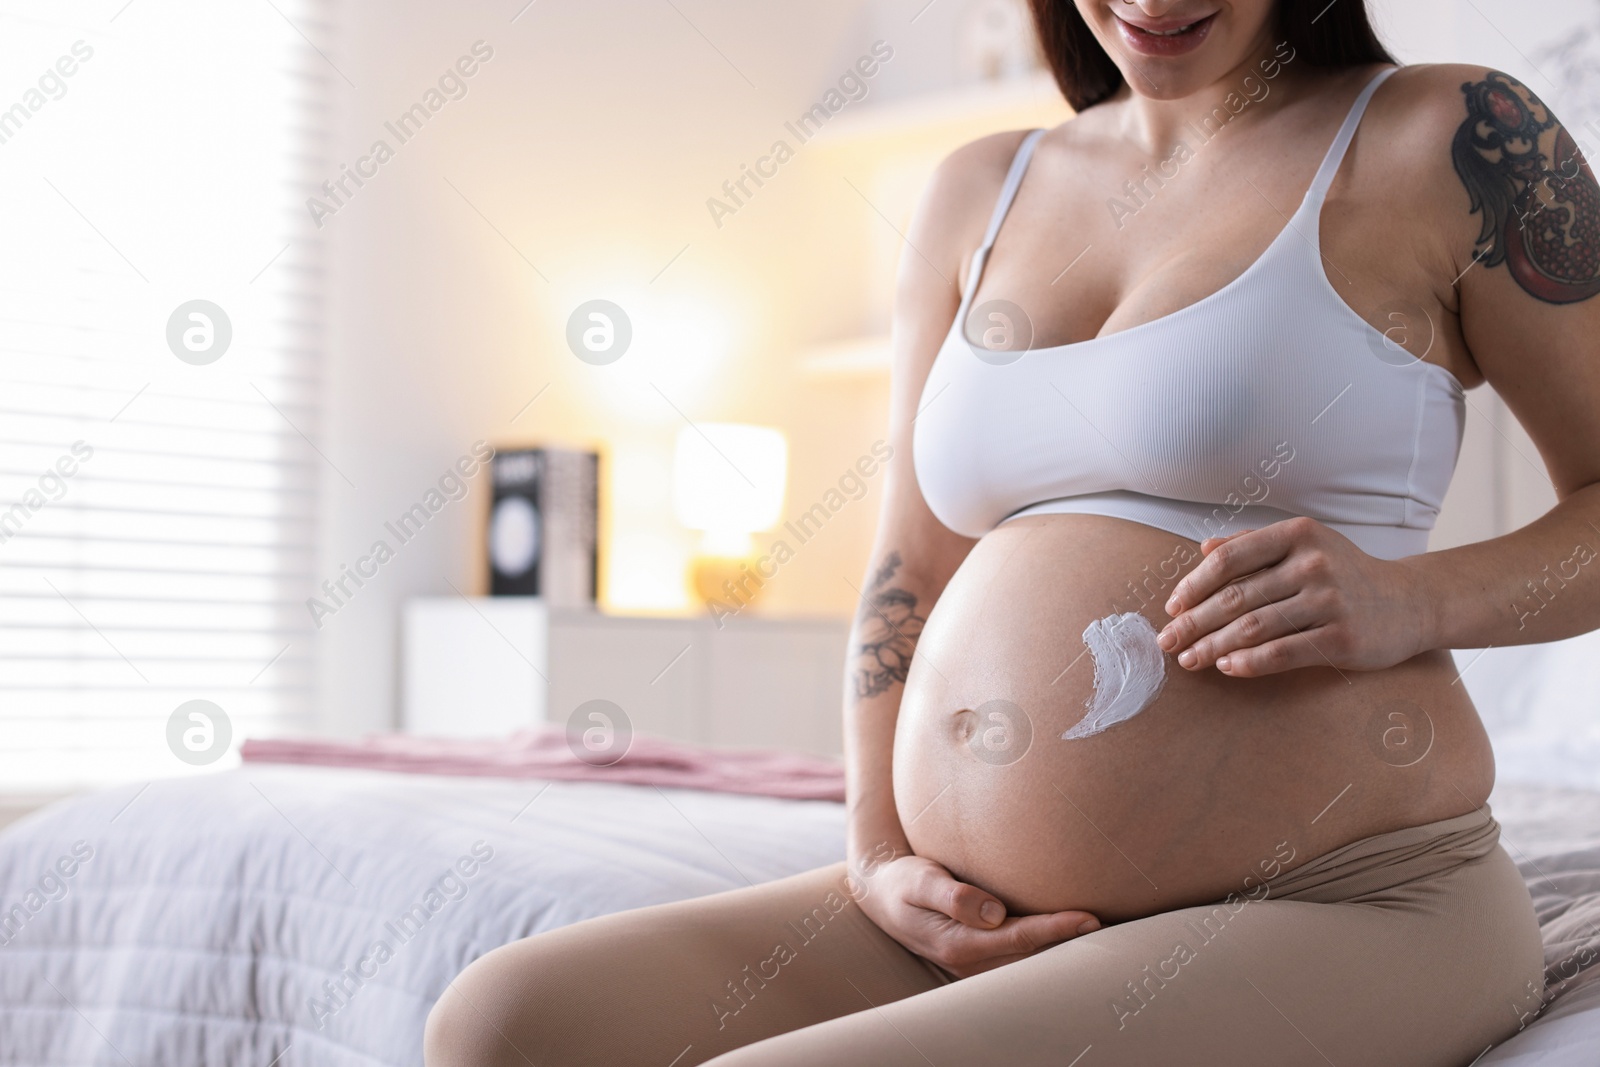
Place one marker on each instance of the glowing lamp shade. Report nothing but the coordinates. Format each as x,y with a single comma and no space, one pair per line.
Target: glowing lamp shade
728,480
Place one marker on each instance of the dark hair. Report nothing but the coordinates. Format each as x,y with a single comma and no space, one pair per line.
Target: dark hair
1335,35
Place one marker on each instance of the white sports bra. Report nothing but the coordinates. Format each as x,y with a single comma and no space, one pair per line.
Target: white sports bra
1268,399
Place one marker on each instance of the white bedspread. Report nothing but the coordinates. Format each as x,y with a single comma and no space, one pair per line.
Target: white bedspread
215,919
202,929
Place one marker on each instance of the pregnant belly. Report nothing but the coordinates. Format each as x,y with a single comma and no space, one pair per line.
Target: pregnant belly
1214,786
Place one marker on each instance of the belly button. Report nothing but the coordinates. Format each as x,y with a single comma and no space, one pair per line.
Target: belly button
998,732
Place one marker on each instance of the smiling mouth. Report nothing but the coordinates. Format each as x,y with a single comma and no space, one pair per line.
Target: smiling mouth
1170,39
1176,31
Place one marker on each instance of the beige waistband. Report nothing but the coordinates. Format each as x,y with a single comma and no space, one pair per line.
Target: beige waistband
1378,863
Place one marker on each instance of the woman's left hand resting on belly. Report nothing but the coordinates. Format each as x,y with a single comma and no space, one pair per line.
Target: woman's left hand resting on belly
1294,594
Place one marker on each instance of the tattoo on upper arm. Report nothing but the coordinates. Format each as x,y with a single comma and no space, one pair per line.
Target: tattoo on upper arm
889,626
1540,202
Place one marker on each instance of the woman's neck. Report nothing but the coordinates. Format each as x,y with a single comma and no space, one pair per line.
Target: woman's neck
1267,79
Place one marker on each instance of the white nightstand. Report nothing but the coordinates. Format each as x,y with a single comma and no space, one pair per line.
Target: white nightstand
484,666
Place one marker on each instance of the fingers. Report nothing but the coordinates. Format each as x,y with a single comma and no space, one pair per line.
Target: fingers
973,907
964,929
1239,555
1269,621
1284,654
967,951
1250,630
1030,933
1210,544
939,891
1235,601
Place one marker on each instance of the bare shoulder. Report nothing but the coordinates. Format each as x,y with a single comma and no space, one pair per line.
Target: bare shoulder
1447,123
980,166
1501,172
1413,119
945,232
961,195
1426,98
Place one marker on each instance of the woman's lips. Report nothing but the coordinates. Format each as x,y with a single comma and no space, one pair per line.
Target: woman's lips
1160,40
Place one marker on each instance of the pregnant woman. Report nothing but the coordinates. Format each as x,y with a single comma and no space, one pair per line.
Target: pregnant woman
1155,752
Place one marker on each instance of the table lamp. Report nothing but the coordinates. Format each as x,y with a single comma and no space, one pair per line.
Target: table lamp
728,481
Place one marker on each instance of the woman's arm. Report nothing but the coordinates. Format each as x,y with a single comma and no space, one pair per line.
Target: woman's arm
1531,318
894,602
1537,584
960,927
1520,216
913,554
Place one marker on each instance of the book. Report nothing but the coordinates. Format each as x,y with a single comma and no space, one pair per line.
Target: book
544,525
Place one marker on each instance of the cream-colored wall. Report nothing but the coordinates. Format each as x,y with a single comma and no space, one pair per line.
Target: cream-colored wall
578,166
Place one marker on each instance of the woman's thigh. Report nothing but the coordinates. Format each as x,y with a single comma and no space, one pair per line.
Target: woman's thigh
1428,978
675,984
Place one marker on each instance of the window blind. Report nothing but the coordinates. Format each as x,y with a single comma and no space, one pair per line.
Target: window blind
159,471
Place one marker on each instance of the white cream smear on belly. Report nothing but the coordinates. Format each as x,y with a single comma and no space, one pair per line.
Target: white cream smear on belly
1129,671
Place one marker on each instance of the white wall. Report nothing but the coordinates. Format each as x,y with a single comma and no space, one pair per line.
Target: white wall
590,142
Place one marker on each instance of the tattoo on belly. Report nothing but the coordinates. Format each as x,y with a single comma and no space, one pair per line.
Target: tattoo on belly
1539,199
889,627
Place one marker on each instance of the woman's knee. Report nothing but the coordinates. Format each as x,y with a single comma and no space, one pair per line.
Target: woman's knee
532,1001
487,1013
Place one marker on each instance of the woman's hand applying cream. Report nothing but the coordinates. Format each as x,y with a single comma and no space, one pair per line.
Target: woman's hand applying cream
1294,594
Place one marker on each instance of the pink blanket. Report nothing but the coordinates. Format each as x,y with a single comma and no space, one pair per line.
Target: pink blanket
543,753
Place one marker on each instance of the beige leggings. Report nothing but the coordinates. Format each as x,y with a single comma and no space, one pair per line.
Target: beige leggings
1416,948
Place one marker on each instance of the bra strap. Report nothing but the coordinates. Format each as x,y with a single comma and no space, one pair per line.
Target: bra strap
1341,142
1008,192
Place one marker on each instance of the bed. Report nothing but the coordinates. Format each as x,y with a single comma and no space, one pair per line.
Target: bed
301,915
234,918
